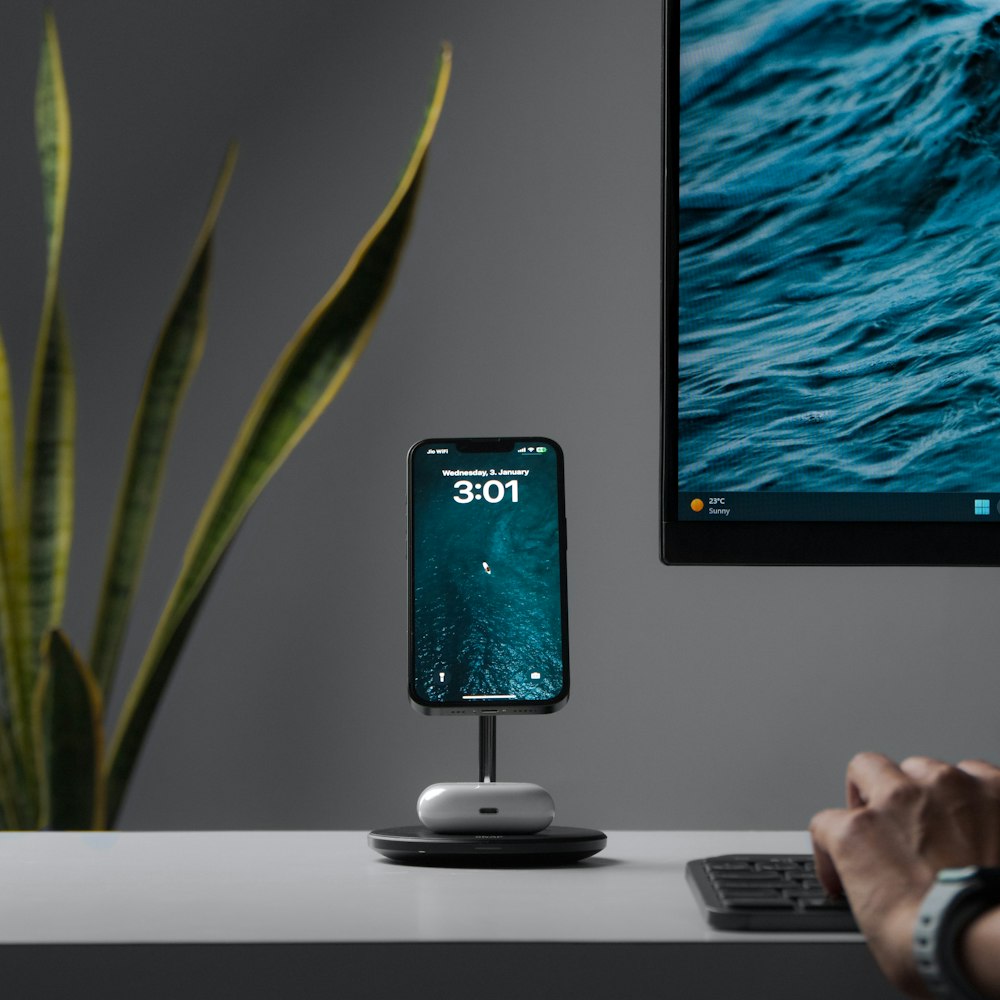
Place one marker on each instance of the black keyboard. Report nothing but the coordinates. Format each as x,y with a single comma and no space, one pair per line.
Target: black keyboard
764,892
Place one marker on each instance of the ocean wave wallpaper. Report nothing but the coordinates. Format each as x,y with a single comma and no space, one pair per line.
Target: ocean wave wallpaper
487,587
839,246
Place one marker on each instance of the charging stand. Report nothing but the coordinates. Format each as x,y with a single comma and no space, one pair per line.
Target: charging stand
553,845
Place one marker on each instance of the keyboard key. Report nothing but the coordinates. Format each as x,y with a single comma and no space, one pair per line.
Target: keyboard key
798,893
751,891
750,876
743,888
823,904
754,903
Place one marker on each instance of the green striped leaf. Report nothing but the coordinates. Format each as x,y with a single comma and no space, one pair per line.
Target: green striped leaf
305,379
48,451
174,362
48,461
70,743
52,131
49,472
10,544
10,816
14,680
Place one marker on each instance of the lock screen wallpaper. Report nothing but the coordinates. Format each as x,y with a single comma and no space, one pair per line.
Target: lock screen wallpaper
487,614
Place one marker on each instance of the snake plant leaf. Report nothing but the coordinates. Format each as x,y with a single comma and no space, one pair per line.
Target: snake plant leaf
49,476
175,359
68,725
12,789
10,816
10,541
303,382
48,461
52,131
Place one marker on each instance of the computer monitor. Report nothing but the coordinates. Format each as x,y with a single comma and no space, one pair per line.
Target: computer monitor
831,282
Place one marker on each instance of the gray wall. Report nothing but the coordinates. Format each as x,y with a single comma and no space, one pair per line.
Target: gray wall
527,303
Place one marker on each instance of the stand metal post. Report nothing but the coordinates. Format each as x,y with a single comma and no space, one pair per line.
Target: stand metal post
487,748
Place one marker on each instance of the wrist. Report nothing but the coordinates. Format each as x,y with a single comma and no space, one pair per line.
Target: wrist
979,953
892,947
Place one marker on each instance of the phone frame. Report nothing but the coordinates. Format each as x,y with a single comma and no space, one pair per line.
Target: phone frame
504,706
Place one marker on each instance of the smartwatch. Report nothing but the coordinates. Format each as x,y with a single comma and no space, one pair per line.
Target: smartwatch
958,896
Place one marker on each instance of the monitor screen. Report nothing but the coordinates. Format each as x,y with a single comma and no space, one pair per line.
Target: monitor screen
831,281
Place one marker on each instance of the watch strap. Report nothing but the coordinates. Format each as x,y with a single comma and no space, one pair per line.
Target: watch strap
958,896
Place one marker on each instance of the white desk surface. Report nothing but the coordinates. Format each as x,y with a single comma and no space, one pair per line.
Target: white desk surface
278,887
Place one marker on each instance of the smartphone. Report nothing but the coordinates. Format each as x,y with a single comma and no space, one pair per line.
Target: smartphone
487,576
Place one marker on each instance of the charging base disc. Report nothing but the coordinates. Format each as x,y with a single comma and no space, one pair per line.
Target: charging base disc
555,845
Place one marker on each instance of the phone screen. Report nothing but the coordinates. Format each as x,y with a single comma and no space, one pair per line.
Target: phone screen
487,549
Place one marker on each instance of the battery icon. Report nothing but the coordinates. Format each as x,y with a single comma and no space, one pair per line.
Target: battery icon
541,449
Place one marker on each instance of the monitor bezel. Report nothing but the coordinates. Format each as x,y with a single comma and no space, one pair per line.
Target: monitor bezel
855,543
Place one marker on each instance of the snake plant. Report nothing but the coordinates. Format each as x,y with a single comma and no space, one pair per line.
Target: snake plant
62,765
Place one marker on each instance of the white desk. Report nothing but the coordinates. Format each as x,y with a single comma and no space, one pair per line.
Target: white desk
319,914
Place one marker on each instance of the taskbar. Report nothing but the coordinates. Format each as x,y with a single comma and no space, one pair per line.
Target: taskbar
767,506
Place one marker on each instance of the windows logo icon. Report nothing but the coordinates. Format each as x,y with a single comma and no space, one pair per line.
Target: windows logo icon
981,507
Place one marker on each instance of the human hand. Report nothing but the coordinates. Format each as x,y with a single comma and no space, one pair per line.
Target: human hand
902,824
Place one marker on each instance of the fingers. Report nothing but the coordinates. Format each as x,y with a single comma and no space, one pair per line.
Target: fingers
937,774
923,769
987,777
872,777
943,815
928,770
822,830
982,770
